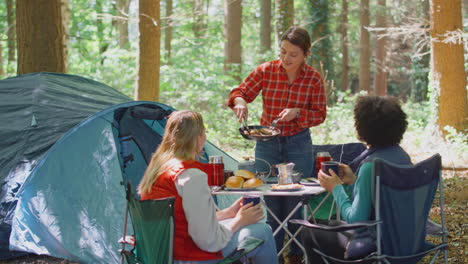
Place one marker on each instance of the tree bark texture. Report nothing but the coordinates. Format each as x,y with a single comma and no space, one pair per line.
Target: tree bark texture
122,22
11,31
232,29
380,79
265,26
344,45
321,53
66,14
149,57
198,25
448,64
168,31
40,36
284,16
364,59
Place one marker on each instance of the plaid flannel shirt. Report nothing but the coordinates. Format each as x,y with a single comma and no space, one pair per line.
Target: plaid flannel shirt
306,92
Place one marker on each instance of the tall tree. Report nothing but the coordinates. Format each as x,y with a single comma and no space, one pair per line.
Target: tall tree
421,63
232,32
150,60
364,59
122,22
380,79
168,31
40,36
447,63
102,38
66,25
344,45
2,71
265,26
321,52
198,25
284,16
11,32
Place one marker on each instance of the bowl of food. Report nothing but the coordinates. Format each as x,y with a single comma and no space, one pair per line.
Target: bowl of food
242,180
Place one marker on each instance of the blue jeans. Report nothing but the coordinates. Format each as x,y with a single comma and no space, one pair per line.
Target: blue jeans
266,253
297,149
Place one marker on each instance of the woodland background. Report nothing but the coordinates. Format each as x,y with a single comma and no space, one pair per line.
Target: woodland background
190,53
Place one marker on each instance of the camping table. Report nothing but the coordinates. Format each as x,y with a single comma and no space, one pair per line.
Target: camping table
305,193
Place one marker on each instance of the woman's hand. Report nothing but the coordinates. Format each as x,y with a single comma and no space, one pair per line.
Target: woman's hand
229,212
346,174
248,214
289,114
328,182
240,109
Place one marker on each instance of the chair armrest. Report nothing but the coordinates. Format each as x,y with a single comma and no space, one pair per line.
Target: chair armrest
337,228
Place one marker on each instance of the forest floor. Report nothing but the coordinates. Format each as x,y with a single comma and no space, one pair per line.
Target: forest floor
456,201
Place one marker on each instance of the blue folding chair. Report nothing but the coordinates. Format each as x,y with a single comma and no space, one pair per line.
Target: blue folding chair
403,196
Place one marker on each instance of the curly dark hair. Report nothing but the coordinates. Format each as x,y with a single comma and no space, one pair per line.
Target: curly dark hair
379,120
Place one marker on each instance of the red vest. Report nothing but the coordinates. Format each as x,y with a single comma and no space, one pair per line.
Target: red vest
184,247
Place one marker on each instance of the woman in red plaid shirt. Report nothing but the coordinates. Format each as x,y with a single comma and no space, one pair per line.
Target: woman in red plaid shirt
293,91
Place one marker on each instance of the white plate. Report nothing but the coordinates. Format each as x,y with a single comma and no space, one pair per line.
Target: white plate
240,189
288,189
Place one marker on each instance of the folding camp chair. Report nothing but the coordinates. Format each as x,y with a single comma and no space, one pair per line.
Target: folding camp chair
153,224
403,196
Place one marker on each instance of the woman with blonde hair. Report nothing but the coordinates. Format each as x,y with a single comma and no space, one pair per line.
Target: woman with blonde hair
202,234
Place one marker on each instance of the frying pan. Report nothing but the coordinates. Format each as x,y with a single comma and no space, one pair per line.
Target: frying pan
244,131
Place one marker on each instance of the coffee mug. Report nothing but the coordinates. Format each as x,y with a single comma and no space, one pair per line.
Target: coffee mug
255,199
333,165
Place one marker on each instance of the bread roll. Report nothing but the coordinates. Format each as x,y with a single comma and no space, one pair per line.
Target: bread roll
234,182
252,183
244,174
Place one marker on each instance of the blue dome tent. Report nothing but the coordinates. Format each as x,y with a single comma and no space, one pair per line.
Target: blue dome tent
71,202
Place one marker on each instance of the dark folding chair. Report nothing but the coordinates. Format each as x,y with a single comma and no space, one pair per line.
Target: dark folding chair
153,225
403,196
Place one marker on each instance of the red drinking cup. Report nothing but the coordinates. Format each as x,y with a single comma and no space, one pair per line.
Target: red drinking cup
321,157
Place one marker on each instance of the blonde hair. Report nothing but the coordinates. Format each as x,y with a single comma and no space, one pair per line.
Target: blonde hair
179,142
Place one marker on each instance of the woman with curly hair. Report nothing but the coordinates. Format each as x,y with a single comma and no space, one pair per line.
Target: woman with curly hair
380,123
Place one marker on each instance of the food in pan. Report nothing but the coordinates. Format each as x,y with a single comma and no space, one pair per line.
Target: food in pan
286,186
265,131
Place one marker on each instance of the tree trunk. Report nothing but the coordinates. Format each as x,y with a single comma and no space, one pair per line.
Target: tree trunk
198,18
380,80
321,52
11,32
168,31
232,46
66,26
344,45
265,26
149,63
364,60
2,71
421,65
284,16
447,64
40,36
102,39
122,22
